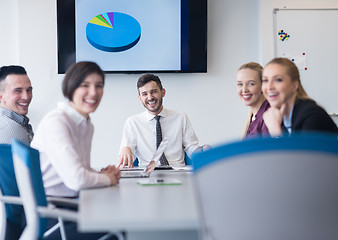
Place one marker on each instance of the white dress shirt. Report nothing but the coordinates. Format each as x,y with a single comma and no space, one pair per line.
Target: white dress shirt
140,135
64,140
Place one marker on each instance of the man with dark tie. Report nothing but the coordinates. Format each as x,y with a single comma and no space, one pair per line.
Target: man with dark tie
15,97
143,132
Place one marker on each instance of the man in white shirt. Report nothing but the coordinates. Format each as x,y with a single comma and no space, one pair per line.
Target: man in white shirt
139,134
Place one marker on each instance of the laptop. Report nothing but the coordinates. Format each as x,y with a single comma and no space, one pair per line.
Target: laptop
140,172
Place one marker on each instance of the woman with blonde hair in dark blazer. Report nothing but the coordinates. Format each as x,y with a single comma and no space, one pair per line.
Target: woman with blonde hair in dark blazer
292,110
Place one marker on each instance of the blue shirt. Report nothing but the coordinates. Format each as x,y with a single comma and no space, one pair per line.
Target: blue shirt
288,122
14,126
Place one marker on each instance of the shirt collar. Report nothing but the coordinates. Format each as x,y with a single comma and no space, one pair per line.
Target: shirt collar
21,119
75,115
150,116
288,121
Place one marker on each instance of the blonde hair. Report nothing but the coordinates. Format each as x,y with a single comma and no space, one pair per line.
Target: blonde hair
247,123
259,69
253,66
293,72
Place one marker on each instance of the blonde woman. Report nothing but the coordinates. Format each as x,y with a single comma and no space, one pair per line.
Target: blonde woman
249,84
292,110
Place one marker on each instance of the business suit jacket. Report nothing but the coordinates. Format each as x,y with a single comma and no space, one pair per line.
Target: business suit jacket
308,116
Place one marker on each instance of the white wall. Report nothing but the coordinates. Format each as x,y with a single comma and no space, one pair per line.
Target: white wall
9,32
238,31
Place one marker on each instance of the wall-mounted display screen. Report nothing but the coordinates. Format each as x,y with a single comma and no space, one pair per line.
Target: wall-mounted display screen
126,36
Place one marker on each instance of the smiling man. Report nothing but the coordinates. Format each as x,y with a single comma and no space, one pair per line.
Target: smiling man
140,136
15,97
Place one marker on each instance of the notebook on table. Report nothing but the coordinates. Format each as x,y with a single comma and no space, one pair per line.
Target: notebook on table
140,172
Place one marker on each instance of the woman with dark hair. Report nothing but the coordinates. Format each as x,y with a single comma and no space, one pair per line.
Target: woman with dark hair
292,110
249,89
64,138
64,135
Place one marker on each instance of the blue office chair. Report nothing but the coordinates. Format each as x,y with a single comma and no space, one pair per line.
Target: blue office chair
36,207
270,188
12,219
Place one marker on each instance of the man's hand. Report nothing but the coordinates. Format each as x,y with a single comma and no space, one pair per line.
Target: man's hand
202,148
126,158
205,148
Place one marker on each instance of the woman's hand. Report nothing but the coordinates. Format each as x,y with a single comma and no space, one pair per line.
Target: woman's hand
113,173
273,119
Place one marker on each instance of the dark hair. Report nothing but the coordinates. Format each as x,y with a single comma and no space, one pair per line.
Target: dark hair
145,78
12,69
76,74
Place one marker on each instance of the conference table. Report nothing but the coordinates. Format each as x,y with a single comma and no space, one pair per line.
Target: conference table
143,211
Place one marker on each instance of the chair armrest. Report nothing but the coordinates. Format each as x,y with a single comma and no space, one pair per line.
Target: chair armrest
65,214
11,199
60,202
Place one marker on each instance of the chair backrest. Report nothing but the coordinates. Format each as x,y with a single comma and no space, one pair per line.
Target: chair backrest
3,218
270,188
29,179
11,213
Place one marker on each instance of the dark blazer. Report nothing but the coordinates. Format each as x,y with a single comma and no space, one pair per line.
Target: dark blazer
308,116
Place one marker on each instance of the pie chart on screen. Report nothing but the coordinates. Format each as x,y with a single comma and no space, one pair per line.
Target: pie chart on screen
113,32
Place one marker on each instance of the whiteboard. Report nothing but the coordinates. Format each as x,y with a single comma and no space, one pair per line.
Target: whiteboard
310,38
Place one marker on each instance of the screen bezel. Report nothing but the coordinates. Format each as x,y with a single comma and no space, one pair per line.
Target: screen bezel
193,37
